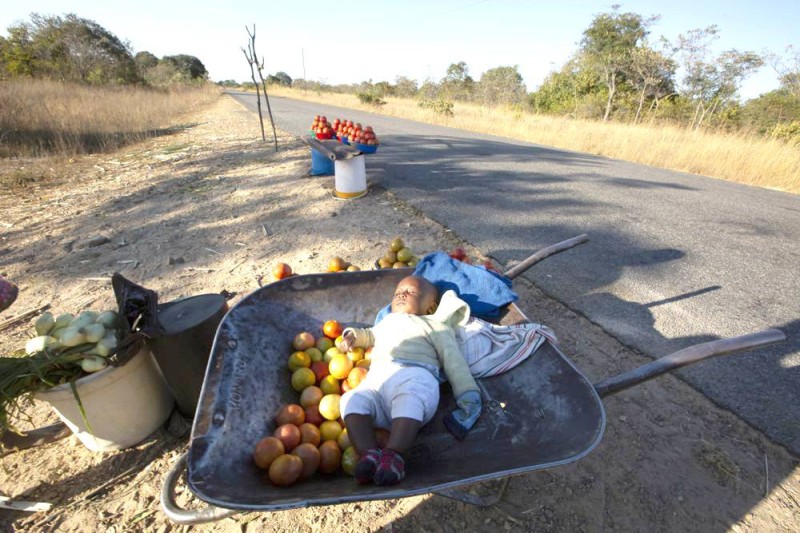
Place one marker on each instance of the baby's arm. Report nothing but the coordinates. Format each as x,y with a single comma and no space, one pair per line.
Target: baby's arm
355,337
465,389
453,362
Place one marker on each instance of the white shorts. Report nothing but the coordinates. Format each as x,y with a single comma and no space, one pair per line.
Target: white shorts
390,391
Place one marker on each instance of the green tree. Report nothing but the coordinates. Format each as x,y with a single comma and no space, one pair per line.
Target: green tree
502,85
565,91
405,87
16,52
457,83
71,49
777,112
189,67
284,78
145,61
711,83
651,73
608,44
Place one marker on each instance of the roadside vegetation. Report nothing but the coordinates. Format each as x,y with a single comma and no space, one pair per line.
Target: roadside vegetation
623,94
734,156
68,86
46,117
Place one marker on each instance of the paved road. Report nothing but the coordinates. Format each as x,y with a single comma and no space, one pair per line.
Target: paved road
674,259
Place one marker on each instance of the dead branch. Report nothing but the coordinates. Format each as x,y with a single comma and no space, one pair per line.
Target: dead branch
250,56
259,68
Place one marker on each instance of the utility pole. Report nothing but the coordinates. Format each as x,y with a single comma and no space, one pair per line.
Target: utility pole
303,56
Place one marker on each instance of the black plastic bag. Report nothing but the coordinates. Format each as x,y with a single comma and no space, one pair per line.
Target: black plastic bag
138,310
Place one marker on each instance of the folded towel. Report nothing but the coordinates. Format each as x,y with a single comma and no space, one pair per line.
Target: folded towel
491,349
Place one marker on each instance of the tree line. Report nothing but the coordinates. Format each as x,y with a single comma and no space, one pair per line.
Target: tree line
75,49
619,73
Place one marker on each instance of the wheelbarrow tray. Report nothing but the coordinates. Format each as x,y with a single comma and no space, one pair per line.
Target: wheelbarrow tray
541,414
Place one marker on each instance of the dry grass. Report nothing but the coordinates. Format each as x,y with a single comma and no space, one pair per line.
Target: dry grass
734,157
40,117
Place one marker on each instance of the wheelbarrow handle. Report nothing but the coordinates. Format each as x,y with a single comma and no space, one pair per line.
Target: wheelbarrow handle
688,356
520,268
184,516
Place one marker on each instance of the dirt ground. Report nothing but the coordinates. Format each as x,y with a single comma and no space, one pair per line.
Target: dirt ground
212,208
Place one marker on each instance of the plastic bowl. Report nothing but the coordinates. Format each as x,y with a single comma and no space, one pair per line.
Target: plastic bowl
323,136
343,139
366,148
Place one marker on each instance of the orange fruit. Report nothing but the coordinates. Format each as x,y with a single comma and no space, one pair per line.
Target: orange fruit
267,450
311,396
313,416
350,458
314,353
344,440
356,376
285,470
330,430
329,406
332,329
337,264
298,360
404,254
396,245
289,435
290,414
340,366
303,340
324,343
310,433
330,457
329,385
309,454
355,354
320,369
281,270
331,352
302,378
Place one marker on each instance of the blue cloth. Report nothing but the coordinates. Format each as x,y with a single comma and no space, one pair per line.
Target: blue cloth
485,292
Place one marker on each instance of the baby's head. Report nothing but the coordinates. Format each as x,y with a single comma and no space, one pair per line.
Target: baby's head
415,295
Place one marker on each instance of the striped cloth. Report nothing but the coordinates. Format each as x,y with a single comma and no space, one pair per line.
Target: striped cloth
491,349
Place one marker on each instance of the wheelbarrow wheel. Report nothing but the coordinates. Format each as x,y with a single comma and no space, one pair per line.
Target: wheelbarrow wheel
185,516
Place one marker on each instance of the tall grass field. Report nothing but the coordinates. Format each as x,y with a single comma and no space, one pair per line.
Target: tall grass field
44,118
742,158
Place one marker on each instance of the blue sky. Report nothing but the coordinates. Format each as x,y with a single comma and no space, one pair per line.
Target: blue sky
344,42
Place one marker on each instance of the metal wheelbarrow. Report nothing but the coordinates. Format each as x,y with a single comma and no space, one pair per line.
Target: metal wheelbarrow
541,414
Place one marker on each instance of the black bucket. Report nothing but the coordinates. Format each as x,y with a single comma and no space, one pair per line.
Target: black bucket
182,351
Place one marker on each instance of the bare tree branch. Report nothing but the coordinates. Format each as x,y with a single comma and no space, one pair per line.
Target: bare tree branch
259,67
248,54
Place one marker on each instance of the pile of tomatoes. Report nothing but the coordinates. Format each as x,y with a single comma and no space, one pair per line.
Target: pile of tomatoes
322,128
309,436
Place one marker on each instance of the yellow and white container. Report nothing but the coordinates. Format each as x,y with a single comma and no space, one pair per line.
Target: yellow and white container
350,177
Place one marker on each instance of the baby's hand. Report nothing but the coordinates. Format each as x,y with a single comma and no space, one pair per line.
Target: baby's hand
348,340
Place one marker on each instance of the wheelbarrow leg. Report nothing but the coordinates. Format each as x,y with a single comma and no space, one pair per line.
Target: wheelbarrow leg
183,516
461,494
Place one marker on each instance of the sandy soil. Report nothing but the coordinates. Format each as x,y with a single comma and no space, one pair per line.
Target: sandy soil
212,208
